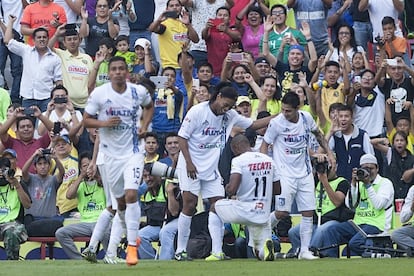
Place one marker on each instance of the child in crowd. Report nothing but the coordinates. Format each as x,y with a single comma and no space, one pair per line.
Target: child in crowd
99,74
394,46
122,50
199,95
144,64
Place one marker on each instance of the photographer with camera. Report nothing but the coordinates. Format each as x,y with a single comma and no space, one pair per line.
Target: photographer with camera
13,196
330,195
162,204
42,219
372,196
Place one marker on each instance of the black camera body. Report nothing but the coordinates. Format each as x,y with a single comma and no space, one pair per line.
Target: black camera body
379,41
9,172
46,151
57,127
361,174
320,167
60,100
28,112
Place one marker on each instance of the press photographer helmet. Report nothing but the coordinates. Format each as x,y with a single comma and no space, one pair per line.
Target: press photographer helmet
160,169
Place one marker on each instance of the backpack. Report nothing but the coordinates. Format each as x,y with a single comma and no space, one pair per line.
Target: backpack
199,243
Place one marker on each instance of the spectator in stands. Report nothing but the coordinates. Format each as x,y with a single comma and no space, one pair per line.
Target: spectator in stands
174,28
399,162
348,151
172,148
161,199
37,81
63,150
338,15
11,7
252,32
219,35
145,64
42,219
122,50
12,156
139,28
76,65
278,36
372,197
362,25
378,10
330,195
151,147
289,134
14,196
243,106
268,96
124,13
60,109
94,29
404,236
344,44
262,67
237,73
398,90
404,125
12,129
205,75
168,107
202,135
315,13
90,195
41,14
25,144
72,9
290,17
201,12
287,72
394,46
100,73
185,74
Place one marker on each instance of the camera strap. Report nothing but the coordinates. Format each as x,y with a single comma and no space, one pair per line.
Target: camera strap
320,199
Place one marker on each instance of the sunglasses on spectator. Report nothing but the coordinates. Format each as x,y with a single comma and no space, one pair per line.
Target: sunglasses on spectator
277,12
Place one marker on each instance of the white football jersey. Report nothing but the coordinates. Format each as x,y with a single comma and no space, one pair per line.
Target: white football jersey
122,140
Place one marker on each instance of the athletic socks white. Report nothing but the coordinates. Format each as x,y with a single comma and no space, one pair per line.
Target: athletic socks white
184,223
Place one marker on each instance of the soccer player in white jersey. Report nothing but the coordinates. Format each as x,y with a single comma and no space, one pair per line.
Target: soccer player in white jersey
253,180
202,137
289,133
117,105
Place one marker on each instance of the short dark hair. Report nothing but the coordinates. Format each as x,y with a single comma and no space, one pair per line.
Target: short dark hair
168,68
332,63
40,29
85,154
121,38
335,106
205,64
225,90
19,119
344,107
291,99
367,71
151,134
388,20
180,54
116,58
170,134
223,8
109,43
58,87
168,2
278,6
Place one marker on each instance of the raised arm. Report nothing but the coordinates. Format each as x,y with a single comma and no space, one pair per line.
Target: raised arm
84,27
268,27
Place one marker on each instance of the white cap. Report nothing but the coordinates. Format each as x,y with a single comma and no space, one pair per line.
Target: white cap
141,42
368,159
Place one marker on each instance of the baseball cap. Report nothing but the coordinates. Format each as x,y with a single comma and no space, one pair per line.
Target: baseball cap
141,42
297,47
261,60
242,99
12,152
368,159
65,138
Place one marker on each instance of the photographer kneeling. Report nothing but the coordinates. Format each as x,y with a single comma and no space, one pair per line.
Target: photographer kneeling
14,196
330,195
372,198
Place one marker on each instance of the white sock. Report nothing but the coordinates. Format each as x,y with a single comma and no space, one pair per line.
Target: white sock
273,220
132,217
216,228
117,231
184,223
306,229
101,225
121,215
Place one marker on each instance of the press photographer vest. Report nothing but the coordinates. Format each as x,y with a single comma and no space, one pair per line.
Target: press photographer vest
155,206
365,212
327,204
9,204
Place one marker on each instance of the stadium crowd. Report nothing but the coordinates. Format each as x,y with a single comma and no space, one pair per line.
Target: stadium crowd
263,107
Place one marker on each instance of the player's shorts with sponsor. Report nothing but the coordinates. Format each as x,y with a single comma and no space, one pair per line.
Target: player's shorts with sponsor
207,188
251,214
303,189
124,173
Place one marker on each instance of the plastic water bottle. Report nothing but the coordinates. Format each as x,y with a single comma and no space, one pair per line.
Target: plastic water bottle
380,255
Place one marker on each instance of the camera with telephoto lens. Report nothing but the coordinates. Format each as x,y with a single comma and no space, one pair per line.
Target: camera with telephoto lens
162,170
361,174
320,167
8,172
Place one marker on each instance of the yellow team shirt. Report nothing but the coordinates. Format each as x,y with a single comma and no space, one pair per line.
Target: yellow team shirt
410,138
71,173
330,95
171,41
129,58
273,107
75,74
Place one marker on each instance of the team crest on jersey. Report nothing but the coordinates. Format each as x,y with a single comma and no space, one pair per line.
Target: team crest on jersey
282,201
286,130
205,123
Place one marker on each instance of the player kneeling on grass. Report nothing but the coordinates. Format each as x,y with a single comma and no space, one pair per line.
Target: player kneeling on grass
251,179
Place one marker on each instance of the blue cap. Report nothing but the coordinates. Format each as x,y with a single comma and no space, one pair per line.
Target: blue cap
12,152
64,138
298,47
